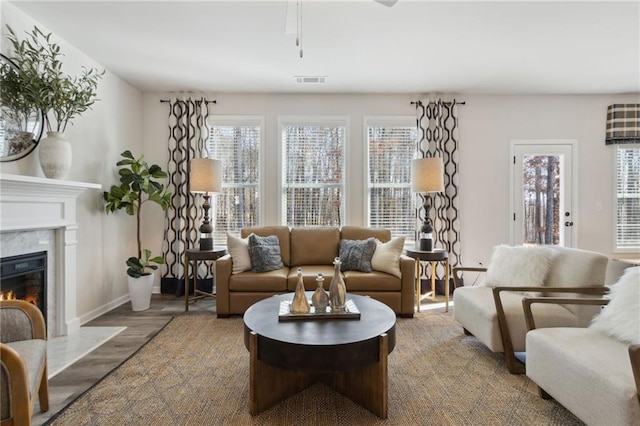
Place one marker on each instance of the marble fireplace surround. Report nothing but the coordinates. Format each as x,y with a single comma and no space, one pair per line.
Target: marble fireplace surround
37,204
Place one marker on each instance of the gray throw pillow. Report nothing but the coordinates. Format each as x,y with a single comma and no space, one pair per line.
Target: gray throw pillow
265,253
355,255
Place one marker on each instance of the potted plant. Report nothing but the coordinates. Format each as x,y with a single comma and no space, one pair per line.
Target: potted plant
138,186
59,96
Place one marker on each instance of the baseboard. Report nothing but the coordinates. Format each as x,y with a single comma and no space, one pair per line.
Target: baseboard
101,310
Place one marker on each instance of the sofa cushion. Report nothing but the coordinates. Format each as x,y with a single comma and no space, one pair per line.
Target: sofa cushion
239,251
371,281
518,266
259,281
265,253
620,319
586,371
362,233
355,255
314,246
33,353
386,258
282,232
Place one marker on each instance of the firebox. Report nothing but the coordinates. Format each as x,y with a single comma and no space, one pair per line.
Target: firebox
24,277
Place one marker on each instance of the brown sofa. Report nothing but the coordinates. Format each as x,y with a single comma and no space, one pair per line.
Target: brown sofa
313,250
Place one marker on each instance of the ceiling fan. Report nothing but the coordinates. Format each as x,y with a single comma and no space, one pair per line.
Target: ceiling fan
293,23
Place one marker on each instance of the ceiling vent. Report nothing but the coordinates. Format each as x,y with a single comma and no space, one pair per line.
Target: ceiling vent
307,79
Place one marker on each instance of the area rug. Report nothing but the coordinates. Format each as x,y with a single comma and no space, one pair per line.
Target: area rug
196,372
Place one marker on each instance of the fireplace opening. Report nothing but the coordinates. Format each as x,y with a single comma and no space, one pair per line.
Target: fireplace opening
24,277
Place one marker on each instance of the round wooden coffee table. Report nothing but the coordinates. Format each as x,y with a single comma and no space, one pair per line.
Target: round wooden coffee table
349,355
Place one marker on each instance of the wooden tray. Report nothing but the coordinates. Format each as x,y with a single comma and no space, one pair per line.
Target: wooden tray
285,314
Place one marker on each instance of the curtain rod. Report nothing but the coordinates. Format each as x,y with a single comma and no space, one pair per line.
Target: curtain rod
431,102
162,101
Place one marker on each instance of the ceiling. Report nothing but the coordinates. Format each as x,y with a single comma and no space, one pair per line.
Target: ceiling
363,46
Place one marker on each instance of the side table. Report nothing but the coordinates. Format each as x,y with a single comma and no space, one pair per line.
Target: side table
195,255
437,255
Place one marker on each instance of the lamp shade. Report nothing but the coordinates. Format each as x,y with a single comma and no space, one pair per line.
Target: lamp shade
205,175
427,175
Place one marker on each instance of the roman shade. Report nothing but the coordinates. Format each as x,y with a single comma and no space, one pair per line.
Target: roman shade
623,124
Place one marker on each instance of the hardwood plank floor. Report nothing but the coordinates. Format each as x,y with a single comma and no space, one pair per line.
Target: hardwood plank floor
70,383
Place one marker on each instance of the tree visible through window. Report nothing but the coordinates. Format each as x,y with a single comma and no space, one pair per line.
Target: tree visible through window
391,145
313,172
541,199
237,144
628,198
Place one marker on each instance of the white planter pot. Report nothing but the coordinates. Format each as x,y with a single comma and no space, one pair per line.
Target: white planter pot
140,290
54,152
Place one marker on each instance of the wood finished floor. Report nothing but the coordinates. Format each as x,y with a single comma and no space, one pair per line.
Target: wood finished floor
141,327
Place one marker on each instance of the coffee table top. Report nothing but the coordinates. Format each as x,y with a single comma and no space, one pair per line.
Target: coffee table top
319,344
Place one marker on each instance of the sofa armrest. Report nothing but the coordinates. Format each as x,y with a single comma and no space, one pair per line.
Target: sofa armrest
16,385
456,278
224,267
407,284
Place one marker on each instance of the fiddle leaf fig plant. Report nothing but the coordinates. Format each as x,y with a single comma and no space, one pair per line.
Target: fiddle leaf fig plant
138,185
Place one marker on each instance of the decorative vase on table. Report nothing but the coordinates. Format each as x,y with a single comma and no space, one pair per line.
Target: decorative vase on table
300,305
337,289
140,290
320,299
54,152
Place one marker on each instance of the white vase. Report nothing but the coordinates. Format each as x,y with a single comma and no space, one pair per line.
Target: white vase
54,152
140,290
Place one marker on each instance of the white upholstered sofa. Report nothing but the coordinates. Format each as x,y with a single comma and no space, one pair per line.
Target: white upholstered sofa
494,313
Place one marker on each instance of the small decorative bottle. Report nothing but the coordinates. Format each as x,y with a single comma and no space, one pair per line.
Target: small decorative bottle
320,299
300,305
337,289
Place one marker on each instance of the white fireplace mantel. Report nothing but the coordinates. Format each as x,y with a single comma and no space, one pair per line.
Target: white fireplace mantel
29,203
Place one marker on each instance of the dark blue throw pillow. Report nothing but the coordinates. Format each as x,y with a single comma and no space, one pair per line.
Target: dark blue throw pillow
264,253
355,255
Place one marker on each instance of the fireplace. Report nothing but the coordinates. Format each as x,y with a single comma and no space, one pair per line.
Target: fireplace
24,277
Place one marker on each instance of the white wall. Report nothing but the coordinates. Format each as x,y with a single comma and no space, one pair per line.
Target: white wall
487,124
126,119
97,139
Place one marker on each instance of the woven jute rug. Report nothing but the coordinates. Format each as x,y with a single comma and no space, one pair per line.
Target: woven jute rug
196,372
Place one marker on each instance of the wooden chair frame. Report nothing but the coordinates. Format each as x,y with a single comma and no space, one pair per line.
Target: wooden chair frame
513,365
634,350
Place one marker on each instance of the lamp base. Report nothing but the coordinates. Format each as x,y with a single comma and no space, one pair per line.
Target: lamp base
426,244
206,244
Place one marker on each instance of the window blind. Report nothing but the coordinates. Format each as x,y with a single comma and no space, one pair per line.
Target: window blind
236,142
313,173
628,197
390,148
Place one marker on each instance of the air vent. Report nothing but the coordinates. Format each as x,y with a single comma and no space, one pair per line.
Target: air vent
308,79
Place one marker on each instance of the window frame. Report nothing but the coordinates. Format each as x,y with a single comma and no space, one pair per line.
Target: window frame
388,121
301,120
614,213
238,121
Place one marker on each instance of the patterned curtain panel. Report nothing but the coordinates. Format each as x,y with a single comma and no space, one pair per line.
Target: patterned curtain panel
188,133
623,124
437,122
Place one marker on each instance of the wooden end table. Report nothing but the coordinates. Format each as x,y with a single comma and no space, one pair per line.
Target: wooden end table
433,256
348,355
196,255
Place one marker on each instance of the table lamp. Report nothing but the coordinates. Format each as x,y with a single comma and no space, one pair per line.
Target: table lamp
427,176
205,177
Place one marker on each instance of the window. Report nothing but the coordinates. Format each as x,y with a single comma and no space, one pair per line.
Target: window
313,167
628,198
236,141
391,144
